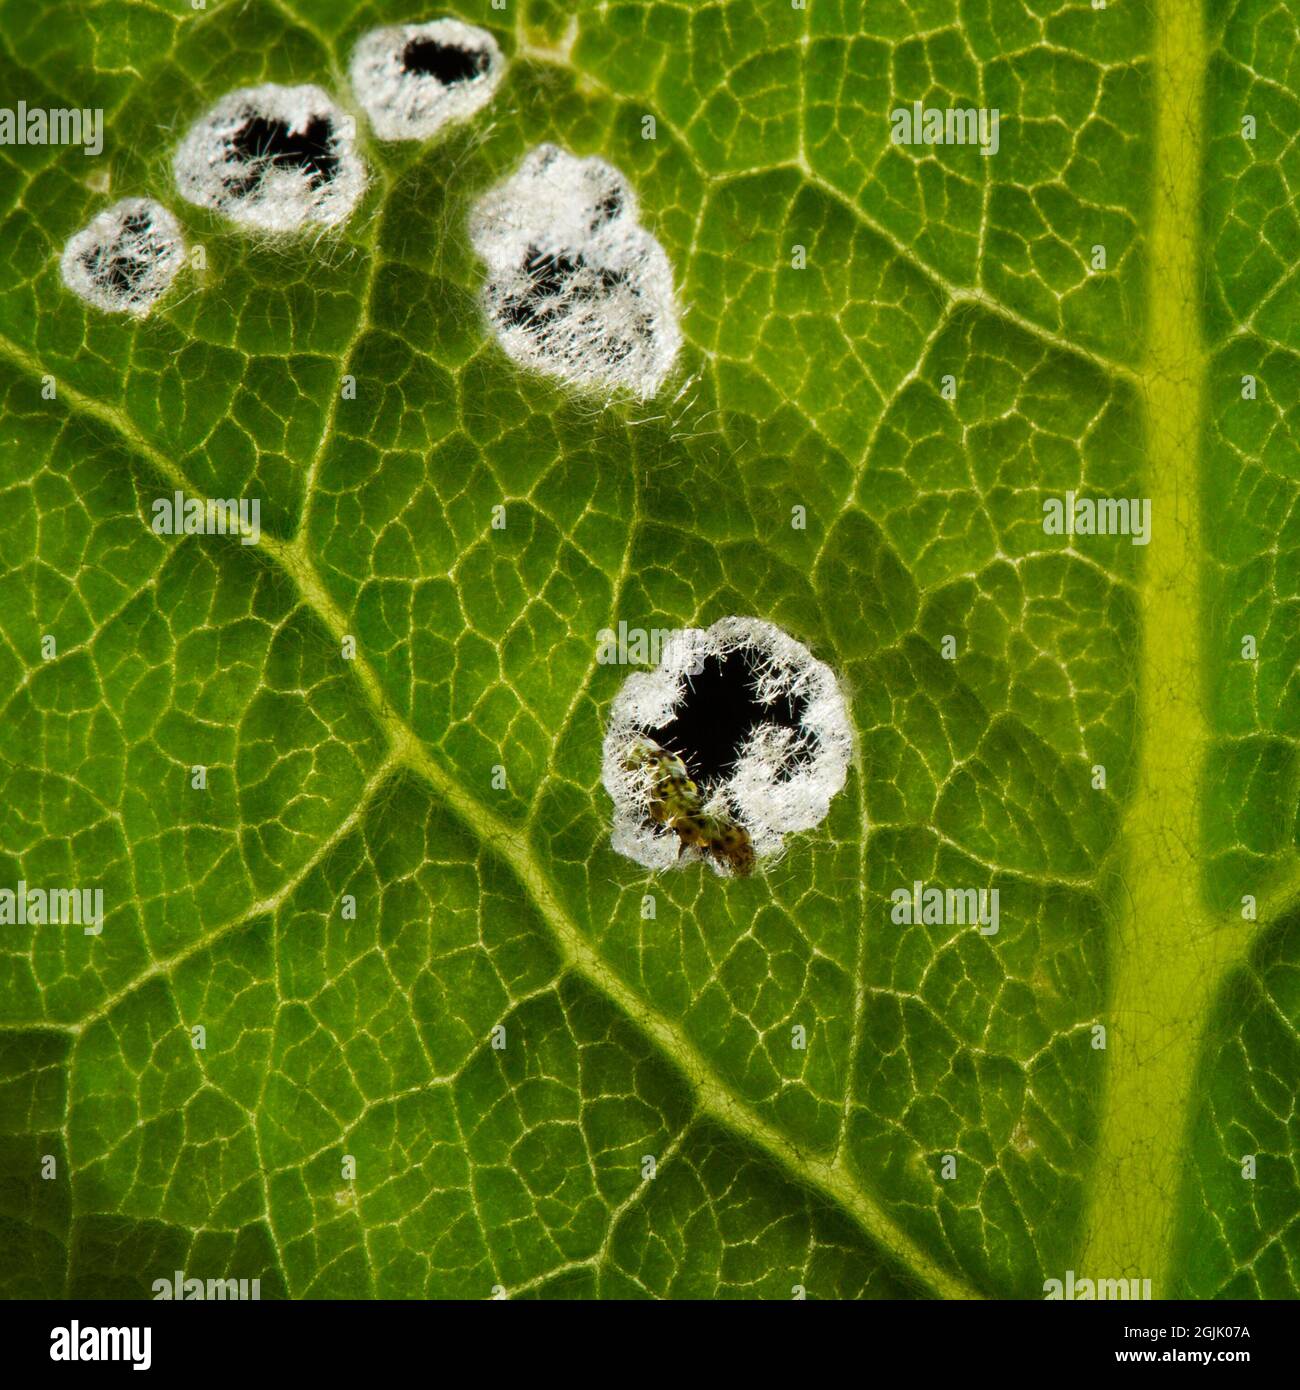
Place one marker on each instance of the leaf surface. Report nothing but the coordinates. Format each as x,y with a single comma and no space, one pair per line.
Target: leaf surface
481,907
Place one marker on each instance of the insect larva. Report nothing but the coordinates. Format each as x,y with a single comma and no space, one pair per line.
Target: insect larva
675,801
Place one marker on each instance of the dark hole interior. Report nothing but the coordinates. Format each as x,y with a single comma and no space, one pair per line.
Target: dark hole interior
444,61
549,272
554,280
607,209
551,275
262,140
122,271
721,710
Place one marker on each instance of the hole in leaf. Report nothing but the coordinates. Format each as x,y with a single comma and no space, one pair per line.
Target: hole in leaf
576,287
413,79
444,62
279,159
738,737
265,141
553,280
721,711
125,265
125,258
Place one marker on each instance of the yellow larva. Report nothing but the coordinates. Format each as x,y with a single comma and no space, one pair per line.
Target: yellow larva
675,801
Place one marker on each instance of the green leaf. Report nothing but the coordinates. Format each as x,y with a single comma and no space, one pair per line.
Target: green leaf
455,1088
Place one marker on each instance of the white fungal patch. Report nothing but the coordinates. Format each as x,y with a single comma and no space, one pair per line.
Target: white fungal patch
125,258
273,158
413,79
576,287
760,723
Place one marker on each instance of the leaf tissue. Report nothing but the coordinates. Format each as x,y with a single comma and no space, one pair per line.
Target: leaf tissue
650,650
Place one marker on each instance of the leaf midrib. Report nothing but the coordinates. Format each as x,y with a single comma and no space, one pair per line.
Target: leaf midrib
1169,953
